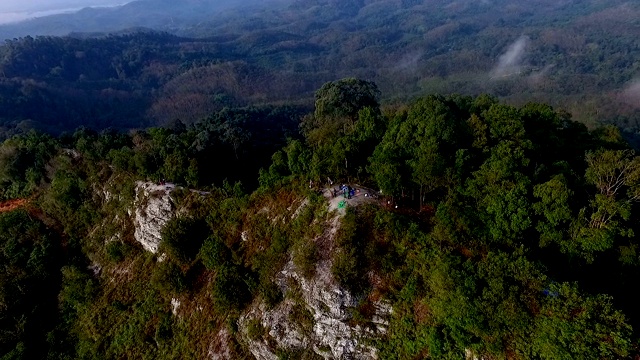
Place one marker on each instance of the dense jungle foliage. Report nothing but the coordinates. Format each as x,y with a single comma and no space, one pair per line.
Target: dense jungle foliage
514,234
577,55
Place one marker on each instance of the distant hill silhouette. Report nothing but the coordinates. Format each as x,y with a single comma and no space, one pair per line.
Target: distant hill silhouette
161,15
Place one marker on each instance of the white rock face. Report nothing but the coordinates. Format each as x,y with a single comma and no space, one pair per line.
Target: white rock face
331,336
329,333
153,209
175,304
219,347
470,355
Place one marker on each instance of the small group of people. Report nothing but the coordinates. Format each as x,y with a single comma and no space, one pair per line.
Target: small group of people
348,191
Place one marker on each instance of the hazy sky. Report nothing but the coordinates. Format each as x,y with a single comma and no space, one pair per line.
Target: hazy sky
43,5
20,10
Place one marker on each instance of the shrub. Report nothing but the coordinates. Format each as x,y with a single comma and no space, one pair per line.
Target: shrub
78,288
345,262
302,316
230,291
271,294
255,330
305,257
214,253
117,251
345,268
164,330
168,278
182,237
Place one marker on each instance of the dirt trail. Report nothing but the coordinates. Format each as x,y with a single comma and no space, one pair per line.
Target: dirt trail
11,205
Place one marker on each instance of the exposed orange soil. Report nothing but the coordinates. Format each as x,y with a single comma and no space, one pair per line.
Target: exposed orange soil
10,205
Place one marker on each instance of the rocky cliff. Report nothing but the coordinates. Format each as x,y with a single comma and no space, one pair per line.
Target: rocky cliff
329,329
316,313
154,207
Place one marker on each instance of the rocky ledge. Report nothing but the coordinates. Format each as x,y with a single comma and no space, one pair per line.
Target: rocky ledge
154,207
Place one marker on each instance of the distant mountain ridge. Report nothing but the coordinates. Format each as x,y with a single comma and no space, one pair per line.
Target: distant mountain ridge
163,15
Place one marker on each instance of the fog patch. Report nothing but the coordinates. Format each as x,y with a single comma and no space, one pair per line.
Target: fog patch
538,77
631,94
510,62
408,62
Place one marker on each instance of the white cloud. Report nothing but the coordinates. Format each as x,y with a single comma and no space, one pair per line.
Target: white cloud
407,62
538,77
509,63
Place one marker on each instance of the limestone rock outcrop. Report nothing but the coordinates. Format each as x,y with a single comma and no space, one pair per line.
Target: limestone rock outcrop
332,334
153,208
329,329
318,317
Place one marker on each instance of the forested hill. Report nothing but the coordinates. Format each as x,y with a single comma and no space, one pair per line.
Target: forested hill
580,56
498,232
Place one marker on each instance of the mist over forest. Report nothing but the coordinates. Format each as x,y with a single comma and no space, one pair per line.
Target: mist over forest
580,56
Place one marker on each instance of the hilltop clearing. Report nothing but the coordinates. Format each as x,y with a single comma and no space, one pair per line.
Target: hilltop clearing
338,200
